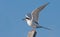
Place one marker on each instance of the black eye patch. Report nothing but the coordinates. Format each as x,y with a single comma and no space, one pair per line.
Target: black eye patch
27,18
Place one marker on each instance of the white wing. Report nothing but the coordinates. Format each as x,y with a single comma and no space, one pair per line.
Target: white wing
35,13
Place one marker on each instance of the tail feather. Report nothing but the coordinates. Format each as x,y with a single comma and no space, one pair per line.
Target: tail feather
44,27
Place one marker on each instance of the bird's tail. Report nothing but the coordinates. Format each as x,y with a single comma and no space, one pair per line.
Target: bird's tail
43,27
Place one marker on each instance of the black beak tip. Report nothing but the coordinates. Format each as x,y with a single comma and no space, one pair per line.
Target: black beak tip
23,19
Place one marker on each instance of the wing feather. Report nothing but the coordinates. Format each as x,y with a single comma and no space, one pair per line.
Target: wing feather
35,13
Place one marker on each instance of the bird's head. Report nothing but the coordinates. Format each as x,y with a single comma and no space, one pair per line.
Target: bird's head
25,19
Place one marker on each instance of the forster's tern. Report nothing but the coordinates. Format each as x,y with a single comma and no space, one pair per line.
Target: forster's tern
32,18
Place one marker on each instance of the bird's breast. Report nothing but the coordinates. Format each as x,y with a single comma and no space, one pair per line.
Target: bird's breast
29,22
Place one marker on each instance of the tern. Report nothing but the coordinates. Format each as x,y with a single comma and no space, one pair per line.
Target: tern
32,18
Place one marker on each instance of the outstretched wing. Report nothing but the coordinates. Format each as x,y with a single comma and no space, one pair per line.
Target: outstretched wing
35,13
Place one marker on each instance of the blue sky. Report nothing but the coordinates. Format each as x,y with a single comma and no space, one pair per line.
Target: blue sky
12,12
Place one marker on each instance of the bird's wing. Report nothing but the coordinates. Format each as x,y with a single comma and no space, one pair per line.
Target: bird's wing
35,13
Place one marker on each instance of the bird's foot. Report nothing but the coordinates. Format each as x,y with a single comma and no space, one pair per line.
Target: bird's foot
33,29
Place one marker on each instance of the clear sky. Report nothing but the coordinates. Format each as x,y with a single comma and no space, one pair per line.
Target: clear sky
12,12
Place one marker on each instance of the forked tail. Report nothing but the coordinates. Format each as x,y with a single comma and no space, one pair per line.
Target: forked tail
43,27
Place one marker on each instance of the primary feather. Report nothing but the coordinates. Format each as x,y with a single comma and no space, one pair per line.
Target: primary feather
35,13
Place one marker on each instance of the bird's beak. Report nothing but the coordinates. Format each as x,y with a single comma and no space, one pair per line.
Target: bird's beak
24,19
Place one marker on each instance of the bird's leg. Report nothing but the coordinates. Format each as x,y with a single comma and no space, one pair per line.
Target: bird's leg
34,28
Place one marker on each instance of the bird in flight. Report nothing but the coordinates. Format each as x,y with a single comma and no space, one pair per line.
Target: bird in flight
32,18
